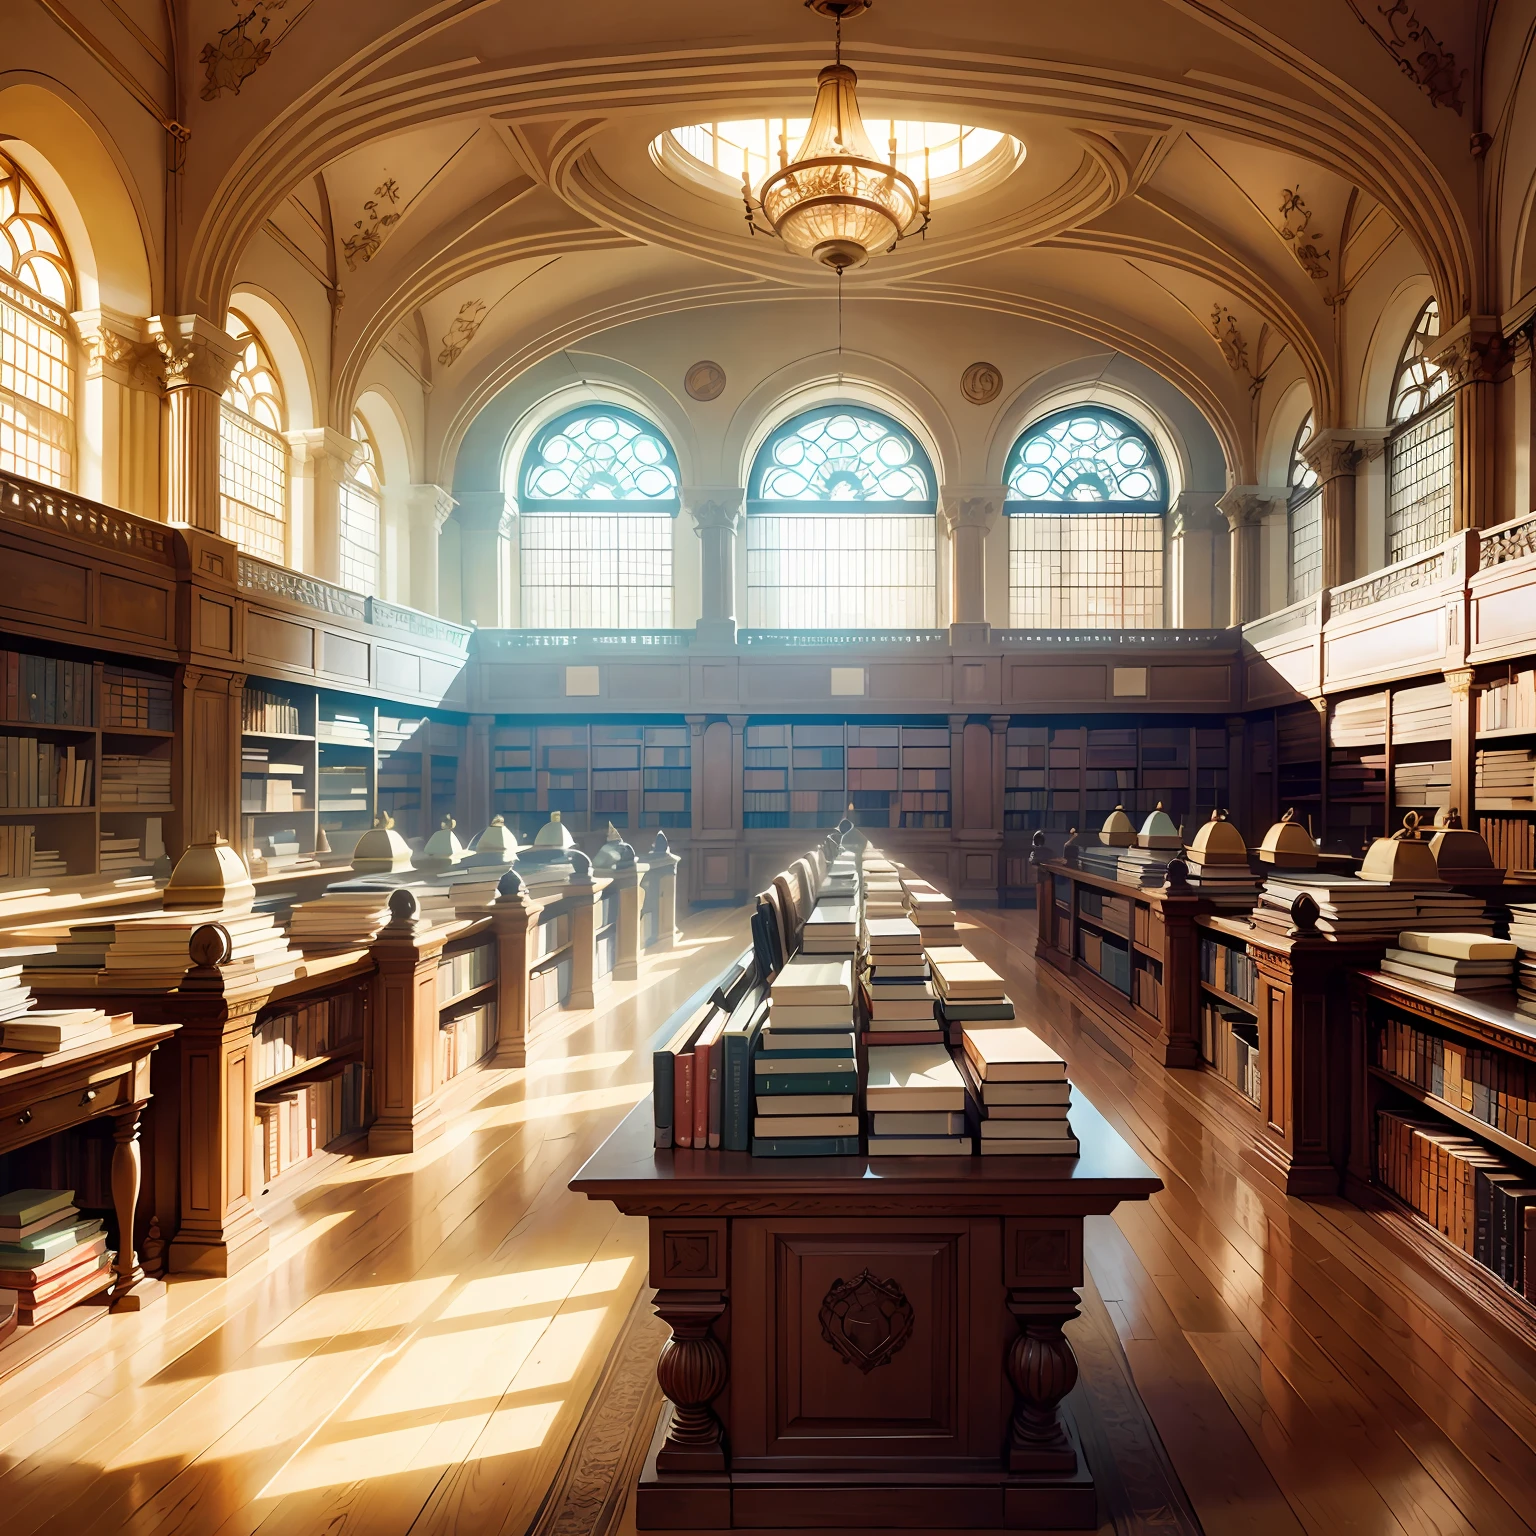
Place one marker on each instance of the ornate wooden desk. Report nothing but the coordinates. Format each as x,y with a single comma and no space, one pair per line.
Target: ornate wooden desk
865,1343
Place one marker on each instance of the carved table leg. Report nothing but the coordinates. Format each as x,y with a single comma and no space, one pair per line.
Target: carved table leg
132,1290
692,1371
1043,1370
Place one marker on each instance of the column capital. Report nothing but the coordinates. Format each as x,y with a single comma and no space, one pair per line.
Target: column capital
1244,506
194,351
1473,351
313,444
1335,451
429,501
999,723
117,347
970,506
486,512
714,506
1195,509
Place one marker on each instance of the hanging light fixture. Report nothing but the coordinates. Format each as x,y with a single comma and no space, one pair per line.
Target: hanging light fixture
836,201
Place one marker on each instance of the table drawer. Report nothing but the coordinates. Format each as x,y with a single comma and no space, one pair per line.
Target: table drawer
22,1122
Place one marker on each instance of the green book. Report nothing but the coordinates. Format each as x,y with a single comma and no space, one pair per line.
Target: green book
740,1043
24,1205
43,1247
807,1082
805,1146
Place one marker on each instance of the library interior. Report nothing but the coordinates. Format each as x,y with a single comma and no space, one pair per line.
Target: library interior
767,767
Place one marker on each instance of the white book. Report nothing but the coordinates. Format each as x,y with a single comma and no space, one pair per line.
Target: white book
1065,1148
808,1103
918,1123
808,1040
805,1125
919,1146
913,1077
804,982
784,1016
1459,946
1011,1053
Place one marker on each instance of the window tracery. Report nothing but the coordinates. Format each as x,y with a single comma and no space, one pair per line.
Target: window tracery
361,501
1304,519
1420,453
253,454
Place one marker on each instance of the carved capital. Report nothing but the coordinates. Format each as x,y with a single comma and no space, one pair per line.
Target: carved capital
1473,352
1331,454
429,501
117,348
715,506
1246,506
195,353
324,446
970,506
1460,682
1520,350
486,512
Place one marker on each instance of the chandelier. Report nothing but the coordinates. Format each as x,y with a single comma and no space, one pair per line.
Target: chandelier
836,201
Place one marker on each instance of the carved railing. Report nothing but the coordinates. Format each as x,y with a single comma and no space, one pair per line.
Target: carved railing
1509,541
295,587
411,621
584,639
47,507
1182,638
1306,614
1396,581
839,639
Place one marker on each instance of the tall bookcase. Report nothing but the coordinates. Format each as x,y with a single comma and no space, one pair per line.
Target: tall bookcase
1505,766
87,772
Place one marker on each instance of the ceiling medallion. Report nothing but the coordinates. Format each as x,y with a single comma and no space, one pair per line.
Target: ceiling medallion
705,380
836,202
981,383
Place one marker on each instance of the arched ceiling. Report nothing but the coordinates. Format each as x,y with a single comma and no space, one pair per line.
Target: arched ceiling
1205,182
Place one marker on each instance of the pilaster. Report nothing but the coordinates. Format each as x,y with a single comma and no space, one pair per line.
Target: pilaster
716,511
1245,507
197,358
427,508
488,524
970,513
119,454
321,459
1471,355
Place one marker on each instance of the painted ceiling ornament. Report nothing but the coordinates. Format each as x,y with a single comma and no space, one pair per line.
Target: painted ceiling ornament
364,245
837,201
981,383
245,45
1297,231
1421,56
1229,338
461,330
705,380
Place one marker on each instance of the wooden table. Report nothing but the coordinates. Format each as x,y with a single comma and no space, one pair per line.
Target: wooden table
865,1343
41,1094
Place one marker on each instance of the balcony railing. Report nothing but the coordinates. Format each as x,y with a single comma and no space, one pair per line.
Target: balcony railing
47,507
584,639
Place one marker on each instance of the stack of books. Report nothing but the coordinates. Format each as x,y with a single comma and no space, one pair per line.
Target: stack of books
50,1255
49,1030
73,960
348,728
932,911
1450,911
969,991
471,887
831,929
1348,908
15,994
1454,962
1522,932
805,1076
917,1103
127,779
897,993
152,955
351,912
884,896
1021,1085
1228,887
116,854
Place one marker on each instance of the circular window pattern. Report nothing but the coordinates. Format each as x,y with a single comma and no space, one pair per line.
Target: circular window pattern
1085,455
599,454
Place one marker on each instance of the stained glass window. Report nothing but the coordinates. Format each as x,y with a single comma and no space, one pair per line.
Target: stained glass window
253,455
1304,520
37,293
1086,494
1421,451
840,525
599,486
361,494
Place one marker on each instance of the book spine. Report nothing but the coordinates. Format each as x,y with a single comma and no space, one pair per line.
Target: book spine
806,1082
701,1055
805,1146
716,1093
682,1102
734,1106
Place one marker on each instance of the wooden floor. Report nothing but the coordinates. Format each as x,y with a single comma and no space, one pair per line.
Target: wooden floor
416,1352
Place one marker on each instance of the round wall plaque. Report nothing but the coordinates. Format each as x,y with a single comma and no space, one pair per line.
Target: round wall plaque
981,383
705,381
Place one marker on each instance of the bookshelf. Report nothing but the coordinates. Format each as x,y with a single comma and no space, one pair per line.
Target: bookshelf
667,778
1504,765
86,764
1229,1022
403,787
468,995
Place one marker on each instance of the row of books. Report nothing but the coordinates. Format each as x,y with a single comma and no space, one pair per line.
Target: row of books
135,700
127,779
1229,1044
294,1123
1349,907
42,773
43,690
287,1040
20,856
463,972
350,728
51,1256
465,1039
269,714
1453,962
1228,966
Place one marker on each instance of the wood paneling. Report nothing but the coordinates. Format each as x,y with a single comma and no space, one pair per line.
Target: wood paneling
271,639
41,585
344,656
135,608
717,780
1039,682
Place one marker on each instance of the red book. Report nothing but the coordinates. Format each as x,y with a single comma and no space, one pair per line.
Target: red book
682,1099
29,1279
97,1280
41,1295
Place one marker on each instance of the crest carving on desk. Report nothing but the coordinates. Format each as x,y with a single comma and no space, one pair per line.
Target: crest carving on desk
866,1320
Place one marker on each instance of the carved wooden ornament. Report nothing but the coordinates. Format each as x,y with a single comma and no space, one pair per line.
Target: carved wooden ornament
866,1320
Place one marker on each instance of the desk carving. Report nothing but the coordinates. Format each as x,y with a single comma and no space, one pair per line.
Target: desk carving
878,1309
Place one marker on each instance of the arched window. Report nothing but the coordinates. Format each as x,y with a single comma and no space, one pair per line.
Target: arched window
1086,496
840,525
1420,452
1304,519
597,490
361,495
37,293
253,455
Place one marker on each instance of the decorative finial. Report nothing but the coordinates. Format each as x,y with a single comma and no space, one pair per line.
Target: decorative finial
404,907
510,885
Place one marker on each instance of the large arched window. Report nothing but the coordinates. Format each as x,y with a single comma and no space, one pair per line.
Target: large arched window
1304,519
253,454
361,496
597,490
37,293
840,525
1086,498
1420,454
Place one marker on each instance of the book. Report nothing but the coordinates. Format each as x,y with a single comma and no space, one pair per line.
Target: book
1451,967
812,1104
966,1012
706,1081
1054,1129
1012,1053
806,1082
22,1206
784,1016
804,982
917,1123
742,1033
12,1233
780,1066
88,1285
805,1146
41,1247
919,1146
805,1125
913,1077
1459,946
664,1074
837,1043
26,1279
1066,1147
1447,983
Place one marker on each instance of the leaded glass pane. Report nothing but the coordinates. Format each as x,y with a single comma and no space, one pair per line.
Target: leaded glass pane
1085,455
843,571
253,456
1420,473
840,453
598,454
597,570
1304,529
1418,382
1085,570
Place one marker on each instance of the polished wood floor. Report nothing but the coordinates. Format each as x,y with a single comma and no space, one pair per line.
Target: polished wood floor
416,1353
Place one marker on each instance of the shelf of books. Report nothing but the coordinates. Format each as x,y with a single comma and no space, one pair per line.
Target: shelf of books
403,790
549,975
629,773
466,1002
1505,767
86,779
1229,1024
1298,762
1450,1125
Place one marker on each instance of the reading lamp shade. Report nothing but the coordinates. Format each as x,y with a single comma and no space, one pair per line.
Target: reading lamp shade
554,834
1217,841
1118,830
1159,831
210,874
1402,859
497,844
1287,845
443,849
1461,854
381,850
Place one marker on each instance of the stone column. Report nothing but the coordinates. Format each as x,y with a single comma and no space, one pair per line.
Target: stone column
1245,507
1194,526
119,457
1472,354
716,511
970,512
197,357
321,459
1334,455
1522,377
488,523
427,508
